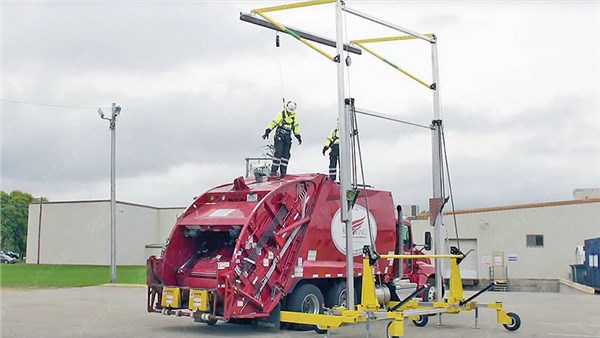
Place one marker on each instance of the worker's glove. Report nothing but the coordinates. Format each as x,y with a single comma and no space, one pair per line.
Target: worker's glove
266,134
325,150
299,138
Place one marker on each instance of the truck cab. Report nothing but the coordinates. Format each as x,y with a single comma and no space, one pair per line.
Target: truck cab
416,272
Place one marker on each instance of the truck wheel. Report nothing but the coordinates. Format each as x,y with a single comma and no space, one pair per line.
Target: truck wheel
429,293
306,298
337,295
516,322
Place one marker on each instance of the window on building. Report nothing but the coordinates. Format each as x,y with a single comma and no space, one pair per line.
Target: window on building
534,241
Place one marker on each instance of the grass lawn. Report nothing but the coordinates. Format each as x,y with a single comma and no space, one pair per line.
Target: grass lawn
49,275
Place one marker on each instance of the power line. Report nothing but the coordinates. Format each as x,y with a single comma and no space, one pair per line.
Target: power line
50,105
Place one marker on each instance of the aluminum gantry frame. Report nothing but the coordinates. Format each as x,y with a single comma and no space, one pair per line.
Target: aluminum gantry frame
346,107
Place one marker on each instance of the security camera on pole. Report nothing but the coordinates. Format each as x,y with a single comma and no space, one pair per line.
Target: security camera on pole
115,111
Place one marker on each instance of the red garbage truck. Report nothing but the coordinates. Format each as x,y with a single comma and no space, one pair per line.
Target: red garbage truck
242,250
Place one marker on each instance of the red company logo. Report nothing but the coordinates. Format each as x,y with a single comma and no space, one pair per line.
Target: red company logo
356,224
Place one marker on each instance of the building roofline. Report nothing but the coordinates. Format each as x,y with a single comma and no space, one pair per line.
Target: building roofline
107,201
457,212
515,207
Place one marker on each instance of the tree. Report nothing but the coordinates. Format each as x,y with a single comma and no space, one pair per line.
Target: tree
14,209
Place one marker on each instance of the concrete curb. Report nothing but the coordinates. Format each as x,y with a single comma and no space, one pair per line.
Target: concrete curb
117,285
577,286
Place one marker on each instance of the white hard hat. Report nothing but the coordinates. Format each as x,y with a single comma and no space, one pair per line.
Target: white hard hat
290,106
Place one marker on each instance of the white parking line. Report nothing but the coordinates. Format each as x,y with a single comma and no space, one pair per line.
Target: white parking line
572,335
572,324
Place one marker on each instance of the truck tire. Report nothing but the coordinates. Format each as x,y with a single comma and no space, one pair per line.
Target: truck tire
337,295
429,293
306,298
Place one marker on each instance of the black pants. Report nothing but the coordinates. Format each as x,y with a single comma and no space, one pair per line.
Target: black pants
283,144
334,156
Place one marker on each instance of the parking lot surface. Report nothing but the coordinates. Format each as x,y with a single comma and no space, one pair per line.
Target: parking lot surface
102,311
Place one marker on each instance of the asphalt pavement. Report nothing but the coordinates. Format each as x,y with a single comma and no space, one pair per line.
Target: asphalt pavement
102,311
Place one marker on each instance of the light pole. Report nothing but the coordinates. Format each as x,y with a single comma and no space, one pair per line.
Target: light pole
115,111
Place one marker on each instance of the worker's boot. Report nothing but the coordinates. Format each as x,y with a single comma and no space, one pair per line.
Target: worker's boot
282,170
274,169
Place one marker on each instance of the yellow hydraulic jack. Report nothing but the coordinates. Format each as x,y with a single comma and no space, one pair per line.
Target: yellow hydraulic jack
396,311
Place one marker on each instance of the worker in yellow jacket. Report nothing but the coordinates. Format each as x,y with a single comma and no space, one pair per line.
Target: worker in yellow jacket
333,142
285,124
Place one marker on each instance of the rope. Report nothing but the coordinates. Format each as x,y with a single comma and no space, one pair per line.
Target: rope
51,105
277,45
450,186
356,145
364,185
441,161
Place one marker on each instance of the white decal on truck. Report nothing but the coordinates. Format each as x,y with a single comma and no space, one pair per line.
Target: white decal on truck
360,230
221,212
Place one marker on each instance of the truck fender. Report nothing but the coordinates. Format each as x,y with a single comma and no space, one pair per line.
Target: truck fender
425,271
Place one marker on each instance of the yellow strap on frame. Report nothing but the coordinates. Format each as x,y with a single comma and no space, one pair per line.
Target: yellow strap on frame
294,5
393,65
391,38
292,33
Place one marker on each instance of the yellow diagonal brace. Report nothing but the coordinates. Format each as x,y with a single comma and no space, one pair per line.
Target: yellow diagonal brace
292,33
391,38
294,5
393,65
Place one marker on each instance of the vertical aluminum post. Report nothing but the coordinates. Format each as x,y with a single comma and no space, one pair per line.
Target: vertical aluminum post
345,161
113,202
437,171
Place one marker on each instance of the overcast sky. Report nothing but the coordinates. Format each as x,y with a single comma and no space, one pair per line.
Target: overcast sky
197,86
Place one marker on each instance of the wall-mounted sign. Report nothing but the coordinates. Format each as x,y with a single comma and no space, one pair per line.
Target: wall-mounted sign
513,258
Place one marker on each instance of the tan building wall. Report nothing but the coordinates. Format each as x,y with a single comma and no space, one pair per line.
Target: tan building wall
563,225
79,232
136,227
166,220
71,233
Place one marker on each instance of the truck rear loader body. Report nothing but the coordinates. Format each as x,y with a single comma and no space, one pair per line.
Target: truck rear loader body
242,250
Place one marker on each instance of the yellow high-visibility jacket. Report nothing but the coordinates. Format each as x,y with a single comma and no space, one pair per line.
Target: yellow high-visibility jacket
285,120
333,138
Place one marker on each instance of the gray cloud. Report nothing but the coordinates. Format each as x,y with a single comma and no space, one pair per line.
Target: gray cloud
198,87
72,36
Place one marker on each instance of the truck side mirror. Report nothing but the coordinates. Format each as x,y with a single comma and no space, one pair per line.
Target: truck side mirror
427,241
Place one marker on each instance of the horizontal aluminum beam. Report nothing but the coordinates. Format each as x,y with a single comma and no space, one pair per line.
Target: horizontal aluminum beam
308,36
388,117
387,24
